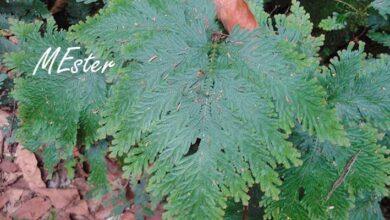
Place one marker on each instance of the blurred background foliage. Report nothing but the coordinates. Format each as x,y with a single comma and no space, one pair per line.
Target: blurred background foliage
342,21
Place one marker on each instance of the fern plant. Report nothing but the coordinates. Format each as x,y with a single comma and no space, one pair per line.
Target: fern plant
207,116
356,13
357,88
23,10
234,97
58,111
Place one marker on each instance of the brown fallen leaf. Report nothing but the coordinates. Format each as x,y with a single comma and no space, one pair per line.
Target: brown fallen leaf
58,6
235,12
76,152
10,178
82,185
8,167
128,216
17,198
114,170
80,170
3,200
59,216
80,208
3,114
17,181
103,213
32,209
10,199
60,198
29,167
13,40
14,195
5,217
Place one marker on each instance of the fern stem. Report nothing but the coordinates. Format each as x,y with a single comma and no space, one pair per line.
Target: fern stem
213,57
348,5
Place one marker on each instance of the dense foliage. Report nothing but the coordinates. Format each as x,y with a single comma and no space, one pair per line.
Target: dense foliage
207,116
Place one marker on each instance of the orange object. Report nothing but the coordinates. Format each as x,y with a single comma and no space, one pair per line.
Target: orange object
235,12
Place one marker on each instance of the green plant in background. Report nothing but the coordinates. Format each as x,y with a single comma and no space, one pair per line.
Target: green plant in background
207,117
361,100
29,11
23,10
342,21
59,141
12,10
357,15
60,111
334,22
79,10
382,38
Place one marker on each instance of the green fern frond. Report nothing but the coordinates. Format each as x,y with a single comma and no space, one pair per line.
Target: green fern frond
59,110
359,88
305,189
382,38
203,117
334,22
366,207
383,7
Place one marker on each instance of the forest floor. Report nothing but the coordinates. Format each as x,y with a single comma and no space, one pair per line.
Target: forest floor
25,192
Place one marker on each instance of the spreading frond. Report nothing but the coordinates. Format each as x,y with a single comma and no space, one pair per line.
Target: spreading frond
204,116
309,191
383,7
359,87
381,38
53,108
334,22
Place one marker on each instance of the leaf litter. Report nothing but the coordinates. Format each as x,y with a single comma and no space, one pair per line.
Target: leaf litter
26,194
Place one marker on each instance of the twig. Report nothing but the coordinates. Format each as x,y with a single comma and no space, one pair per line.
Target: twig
273,10
357,38
348,5
343,174
245,213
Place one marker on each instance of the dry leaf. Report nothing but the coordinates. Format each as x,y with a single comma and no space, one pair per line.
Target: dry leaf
58,6
104,212
8,167
32,209
13,40
28,166
11,178
3,200
128,216
3,115
80,208
11,200
16,199
82,185
60,198
14,195
235,12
